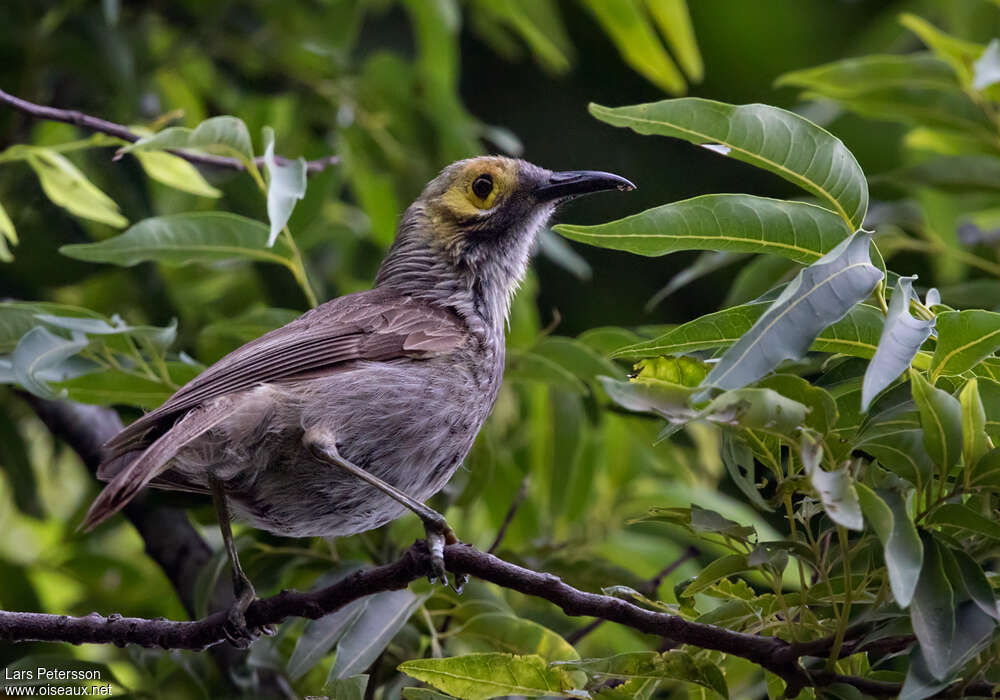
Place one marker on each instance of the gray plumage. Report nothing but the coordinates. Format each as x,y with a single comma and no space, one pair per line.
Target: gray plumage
401,377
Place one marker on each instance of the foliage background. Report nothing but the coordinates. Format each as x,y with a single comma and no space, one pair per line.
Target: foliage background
397,92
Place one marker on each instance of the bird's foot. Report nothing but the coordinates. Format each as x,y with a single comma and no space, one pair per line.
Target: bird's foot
439,533
236,630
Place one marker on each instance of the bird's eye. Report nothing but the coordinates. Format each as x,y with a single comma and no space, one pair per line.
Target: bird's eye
482,186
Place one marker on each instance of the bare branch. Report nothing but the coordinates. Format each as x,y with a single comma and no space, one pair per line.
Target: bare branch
119,131
771,653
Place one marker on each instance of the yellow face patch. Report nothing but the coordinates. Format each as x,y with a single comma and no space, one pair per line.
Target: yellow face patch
481,185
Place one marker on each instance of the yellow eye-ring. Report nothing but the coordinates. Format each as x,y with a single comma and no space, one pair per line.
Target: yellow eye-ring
483,191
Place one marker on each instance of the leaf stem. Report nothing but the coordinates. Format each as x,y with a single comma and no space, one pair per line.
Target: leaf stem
845,611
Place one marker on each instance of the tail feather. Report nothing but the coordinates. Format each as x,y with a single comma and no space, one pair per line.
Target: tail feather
151,462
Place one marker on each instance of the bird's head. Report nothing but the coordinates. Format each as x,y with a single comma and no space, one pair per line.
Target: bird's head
473,227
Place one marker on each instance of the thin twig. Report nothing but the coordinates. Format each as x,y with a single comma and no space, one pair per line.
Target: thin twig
122,132
519,497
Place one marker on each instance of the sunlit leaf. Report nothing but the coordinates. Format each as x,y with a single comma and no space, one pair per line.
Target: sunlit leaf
675,665
286,184
727,222
225,135
901,339
820,295
767,137
174,171
180,239
69,188
7,235
855,76
630,30
482,676
512,634
674,21
958,53
975,441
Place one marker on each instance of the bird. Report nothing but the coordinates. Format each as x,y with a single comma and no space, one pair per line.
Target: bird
363,407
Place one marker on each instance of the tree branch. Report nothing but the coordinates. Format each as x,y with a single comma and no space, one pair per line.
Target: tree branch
119,131
771,653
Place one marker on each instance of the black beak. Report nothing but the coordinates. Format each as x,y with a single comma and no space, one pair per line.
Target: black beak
573,183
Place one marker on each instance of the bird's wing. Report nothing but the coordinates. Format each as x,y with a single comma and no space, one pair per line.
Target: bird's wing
373,325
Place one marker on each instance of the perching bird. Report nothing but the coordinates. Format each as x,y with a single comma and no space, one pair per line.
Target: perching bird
365,406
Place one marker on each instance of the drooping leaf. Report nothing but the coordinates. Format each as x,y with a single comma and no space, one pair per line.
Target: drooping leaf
286,184
976,584
225,135
174,171
69,188
957,53
180,239
319,637
779,141
736,223
975,442
755,278
933,612
897,441
671,401
19,317
904,552
941,420
739,462
757,409
482,676
382,618
964,339
562,254
705,264
820,295
901,339
674,21
633,35
156,337
835,488
822,408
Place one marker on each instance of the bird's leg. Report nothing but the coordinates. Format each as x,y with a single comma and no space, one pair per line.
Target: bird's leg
235,629
324,448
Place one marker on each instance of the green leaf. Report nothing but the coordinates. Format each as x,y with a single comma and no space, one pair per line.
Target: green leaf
975,443
820,295
218,338
957,174
115,388
835,488
174,171
37,358
976,584
482,676
682,370
822,408
352,688
897,441
673,665
770,138
955,52
856,334
739,462
158,338
423,694
933,612
526,366
225,135
961,516
705,264
964,339
904,552
754,278
725,566
941,420
902,336
674,21
286,184
725,222
181,239
16,464
70,189
668,400
320,636
853,77
757,409
630,30
382,618
515,635
7,235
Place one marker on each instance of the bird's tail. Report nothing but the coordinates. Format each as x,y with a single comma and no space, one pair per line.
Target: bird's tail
130,473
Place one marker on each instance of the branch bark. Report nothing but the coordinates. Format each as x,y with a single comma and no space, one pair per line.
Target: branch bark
96,124
771,653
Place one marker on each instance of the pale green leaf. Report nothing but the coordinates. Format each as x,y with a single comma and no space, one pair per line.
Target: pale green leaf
964,339
975,442
986,69
7,235
673,665
674,21
69,188
225,135
957,53
482,676
904,552
820,295
285,186
381,620
515,635
174,171
767,137
37,358
941,420
852,77
933,612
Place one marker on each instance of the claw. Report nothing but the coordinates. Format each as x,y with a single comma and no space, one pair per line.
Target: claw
235,629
